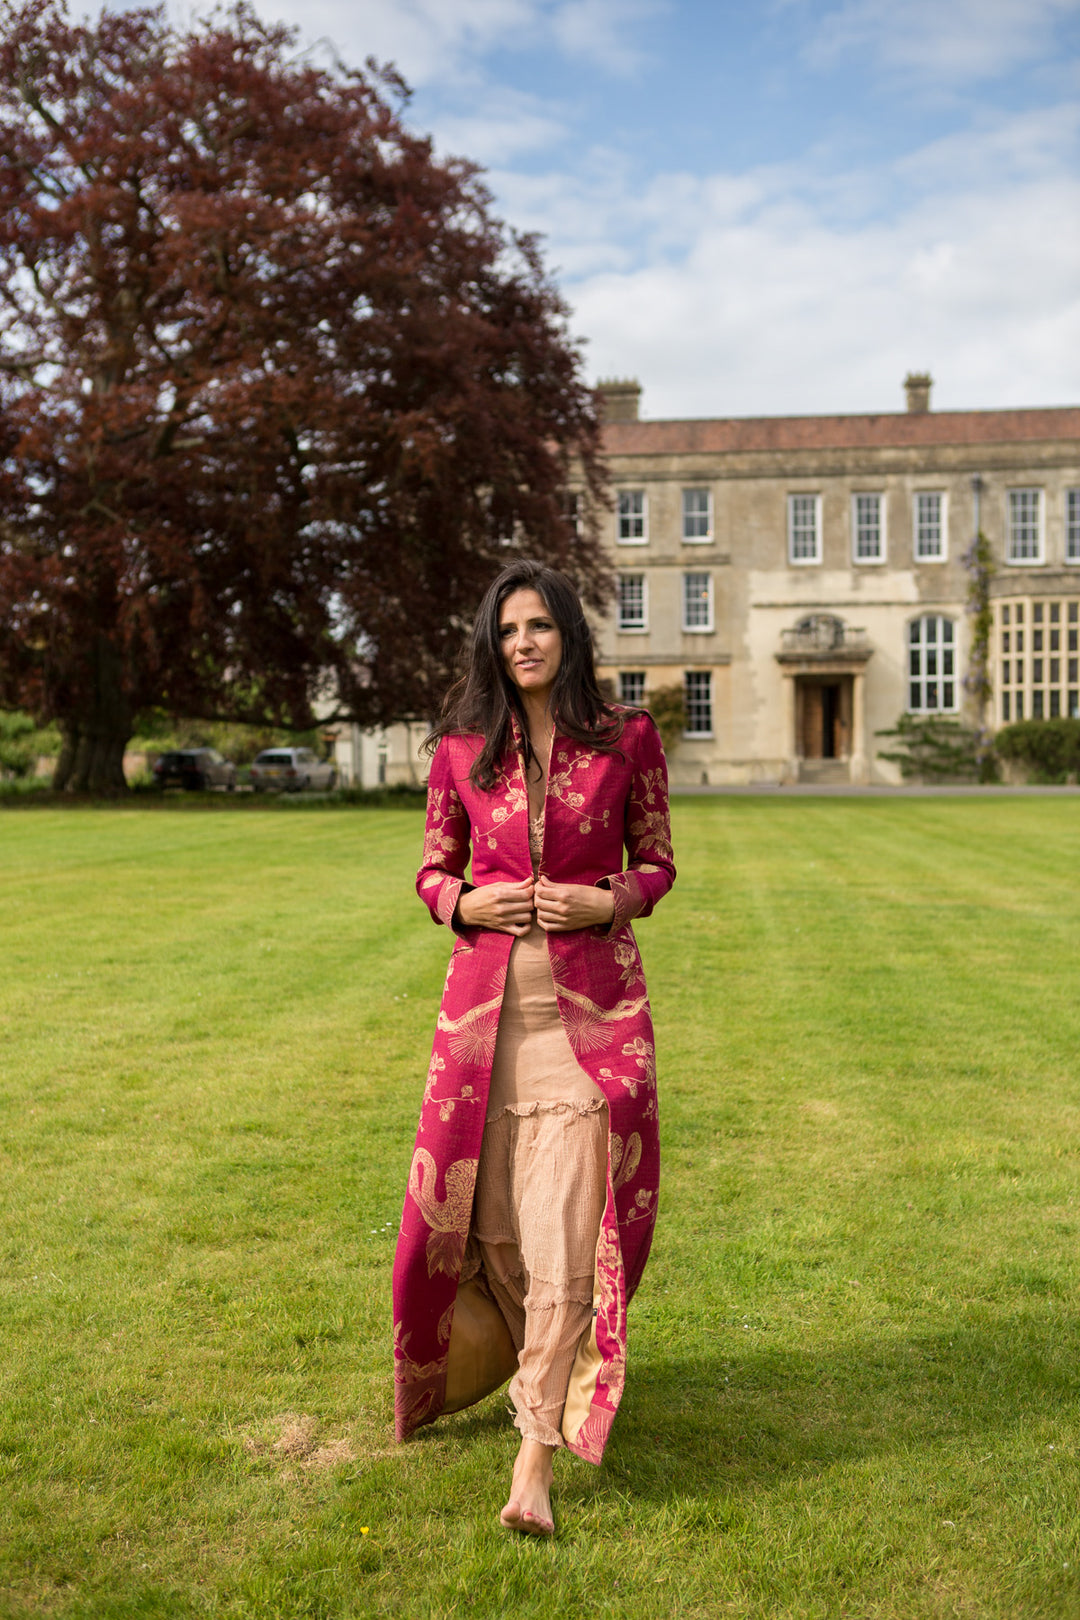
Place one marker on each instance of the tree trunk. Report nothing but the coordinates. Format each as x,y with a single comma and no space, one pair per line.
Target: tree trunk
95,737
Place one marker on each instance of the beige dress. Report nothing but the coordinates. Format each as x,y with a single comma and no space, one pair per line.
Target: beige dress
541,1184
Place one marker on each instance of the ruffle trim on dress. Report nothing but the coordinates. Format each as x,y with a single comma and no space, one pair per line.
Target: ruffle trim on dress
530,1428
550,1297
595,1105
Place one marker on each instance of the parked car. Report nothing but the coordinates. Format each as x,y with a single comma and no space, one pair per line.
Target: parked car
291,770
194,768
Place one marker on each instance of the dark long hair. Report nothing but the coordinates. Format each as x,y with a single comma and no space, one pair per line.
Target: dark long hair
485,699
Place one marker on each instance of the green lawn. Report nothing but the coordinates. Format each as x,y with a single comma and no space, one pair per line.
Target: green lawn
855,1358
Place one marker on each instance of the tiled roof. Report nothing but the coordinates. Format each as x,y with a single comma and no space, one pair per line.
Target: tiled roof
887,431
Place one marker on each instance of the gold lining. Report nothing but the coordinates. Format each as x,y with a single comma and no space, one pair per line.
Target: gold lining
583,1378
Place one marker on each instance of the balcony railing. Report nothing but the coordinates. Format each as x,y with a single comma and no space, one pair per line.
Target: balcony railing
824,633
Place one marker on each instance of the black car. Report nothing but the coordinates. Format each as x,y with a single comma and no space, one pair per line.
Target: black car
194,768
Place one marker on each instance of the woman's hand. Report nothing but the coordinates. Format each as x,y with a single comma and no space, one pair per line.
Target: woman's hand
505,907
562,907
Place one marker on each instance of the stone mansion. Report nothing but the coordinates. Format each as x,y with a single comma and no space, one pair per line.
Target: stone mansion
801,579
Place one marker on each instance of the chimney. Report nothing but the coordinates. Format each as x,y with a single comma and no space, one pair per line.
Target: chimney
917,386
619,398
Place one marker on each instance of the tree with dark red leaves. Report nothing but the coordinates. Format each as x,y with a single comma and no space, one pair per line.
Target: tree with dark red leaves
277,394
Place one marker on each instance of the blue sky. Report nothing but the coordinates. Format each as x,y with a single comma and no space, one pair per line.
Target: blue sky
773,207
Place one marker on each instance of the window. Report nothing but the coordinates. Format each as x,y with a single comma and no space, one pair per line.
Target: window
804,528
632,529
929,526
697,612
868,528
697,694
572,512
1044,685
1072,525
1025,526
632,687
932,684
697,515
633,611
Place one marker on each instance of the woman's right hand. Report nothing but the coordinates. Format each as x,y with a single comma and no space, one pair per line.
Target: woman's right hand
505,907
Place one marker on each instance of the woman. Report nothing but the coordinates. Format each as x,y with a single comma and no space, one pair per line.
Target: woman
534,1179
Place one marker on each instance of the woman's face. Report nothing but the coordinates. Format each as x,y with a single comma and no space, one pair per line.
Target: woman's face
531,643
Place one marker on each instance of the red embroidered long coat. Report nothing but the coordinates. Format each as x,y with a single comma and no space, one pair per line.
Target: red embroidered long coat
596,805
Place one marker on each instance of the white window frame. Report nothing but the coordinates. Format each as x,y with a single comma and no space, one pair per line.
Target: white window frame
706,676
632,517
879,555
1072,526
632,629
921,556
697,629
941,649
705,539
1011,497
804,562
635,675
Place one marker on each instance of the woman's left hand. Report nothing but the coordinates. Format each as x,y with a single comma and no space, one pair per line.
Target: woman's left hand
562,907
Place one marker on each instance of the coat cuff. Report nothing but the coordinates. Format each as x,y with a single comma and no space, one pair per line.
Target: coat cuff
446,904
627,900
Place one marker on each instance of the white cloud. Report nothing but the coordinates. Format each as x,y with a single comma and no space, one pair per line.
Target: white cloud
441,49
434,42
807,287
768,305
958,41
505,124
427,40
601,31
1024,145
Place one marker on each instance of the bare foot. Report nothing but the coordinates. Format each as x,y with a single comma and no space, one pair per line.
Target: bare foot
529,1507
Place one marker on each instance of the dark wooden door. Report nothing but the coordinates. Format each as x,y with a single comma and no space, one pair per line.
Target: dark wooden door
824,718
812,721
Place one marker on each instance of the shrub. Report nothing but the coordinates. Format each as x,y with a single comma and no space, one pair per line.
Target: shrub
932,748
1048,749
17,751
667,705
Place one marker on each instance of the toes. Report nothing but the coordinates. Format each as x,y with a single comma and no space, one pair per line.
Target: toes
533,1525
511,1515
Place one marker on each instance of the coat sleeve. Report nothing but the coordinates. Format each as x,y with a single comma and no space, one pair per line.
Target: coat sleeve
441,877
650,869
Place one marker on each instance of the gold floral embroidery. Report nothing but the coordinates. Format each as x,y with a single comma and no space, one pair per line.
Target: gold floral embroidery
626,955
448,1218
416,1383
624,1169
558,787
586,1024
472,1036
624,1165
651,826
644,1054
435,1067
609,1272
408,1370
442,808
